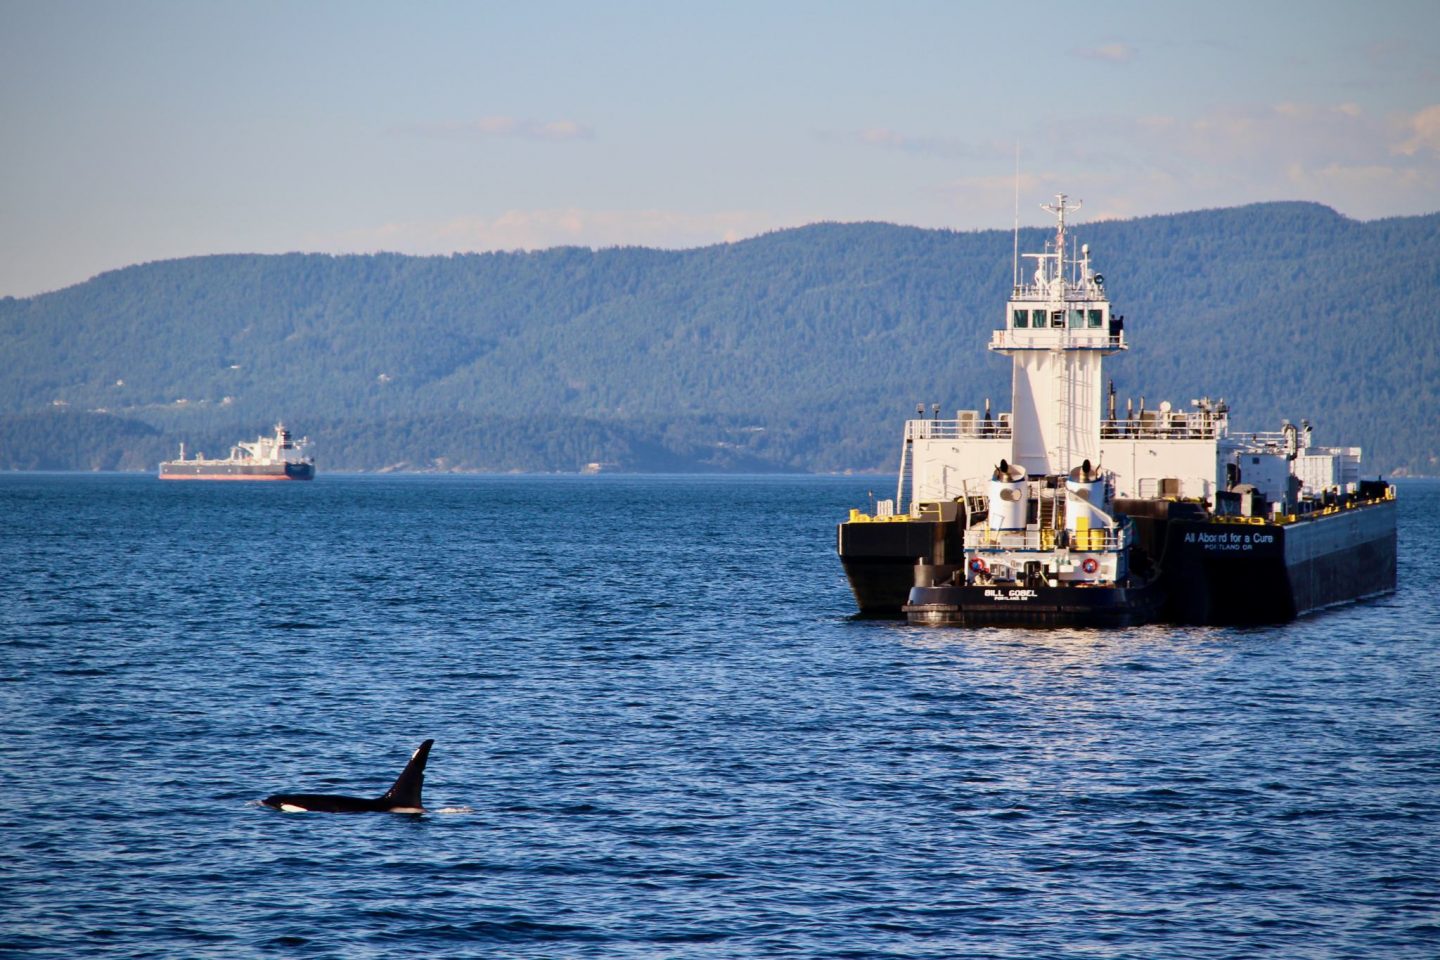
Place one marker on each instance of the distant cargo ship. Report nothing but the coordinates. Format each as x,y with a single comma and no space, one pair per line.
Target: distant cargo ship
280,457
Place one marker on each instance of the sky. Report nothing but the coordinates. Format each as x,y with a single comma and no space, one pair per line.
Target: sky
141,130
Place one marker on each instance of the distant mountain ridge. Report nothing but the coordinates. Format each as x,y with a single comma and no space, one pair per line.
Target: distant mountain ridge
802,349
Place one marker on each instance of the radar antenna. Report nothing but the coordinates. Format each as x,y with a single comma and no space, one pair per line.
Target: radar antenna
1060,207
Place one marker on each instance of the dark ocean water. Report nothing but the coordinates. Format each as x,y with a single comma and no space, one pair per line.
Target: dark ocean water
659,733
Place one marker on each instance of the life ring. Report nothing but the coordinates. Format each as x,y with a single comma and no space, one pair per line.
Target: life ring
977,566
1090,565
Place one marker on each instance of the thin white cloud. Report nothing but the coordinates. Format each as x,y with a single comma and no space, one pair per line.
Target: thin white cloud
883,136
1108,52
1103,196
1424,129
948,148
540,229
1362,163
1030,185
1222,138
1336,177
500,126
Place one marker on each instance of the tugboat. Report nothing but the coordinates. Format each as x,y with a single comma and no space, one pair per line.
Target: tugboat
1061,513
280,457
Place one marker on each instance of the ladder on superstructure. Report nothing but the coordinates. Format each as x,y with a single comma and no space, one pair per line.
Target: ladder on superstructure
1052,509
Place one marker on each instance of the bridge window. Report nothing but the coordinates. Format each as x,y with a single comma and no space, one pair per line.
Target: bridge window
1057,318
1077,318
1022,319
1095,317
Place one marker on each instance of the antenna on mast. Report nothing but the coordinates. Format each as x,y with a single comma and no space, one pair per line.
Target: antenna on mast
1059,207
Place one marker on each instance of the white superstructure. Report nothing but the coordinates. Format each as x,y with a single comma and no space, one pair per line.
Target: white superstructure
1063,453
281,448
270,451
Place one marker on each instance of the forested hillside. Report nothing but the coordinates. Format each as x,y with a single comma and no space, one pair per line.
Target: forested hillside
799,350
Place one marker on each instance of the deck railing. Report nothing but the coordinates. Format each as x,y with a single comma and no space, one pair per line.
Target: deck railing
1099,539
962,429
1163,426
1068,338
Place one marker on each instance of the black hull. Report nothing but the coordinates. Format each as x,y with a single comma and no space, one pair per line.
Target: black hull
881,585
1210,572
996,606
879,560
1235,573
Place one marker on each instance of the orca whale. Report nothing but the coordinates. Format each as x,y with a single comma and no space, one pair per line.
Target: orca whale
403,797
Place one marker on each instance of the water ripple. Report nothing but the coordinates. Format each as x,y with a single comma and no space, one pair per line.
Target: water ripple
660,732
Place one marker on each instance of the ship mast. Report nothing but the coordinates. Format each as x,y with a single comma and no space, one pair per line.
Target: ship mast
1065,394
1058,208
1057,329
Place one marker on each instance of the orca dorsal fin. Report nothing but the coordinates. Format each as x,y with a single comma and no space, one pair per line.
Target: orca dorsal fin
406,791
